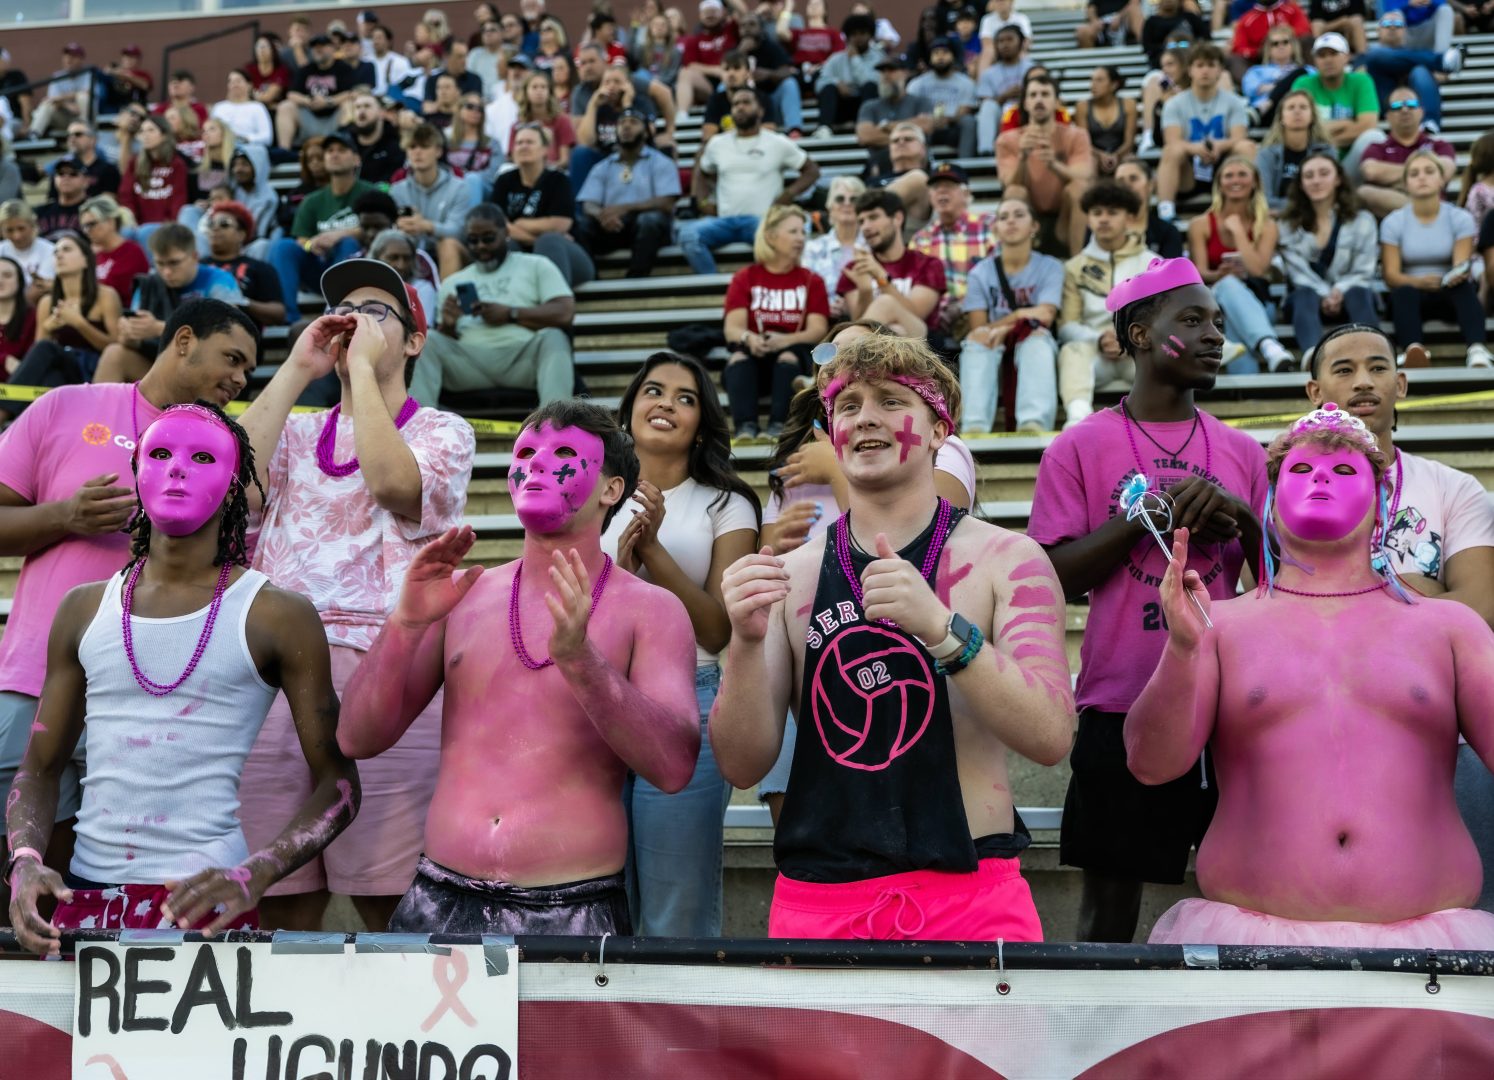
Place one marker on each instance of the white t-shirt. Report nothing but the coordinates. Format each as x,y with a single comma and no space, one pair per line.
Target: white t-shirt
1441,512
249,120
749,170
391,69
688,510
990,25
38,260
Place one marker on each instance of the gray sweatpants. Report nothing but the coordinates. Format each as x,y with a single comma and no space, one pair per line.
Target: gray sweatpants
542,363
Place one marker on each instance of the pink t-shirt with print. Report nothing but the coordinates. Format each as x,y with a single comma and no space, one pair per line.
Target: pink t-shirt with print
326,537
67,436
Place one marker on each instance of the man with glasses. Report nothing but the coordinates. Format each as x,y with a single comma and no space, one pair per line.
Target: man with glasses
230,226
100,172
432,201
396,477
510,330
1383,166
628,199
72,189
1393,61
325,229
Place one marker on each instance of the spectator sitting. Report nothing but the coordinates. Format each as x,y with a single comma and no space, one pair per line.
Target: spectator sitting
502,113
1158,88
1166,17
1426,253
849,78
268,77
1201,127
68,97
813,43
82,145
1090,354
390,65
649,94
181,93
537,105
1046,164
967,33
904,172
32,252
17,318
187,132
486,59
892,105
409,91
440,110
1429,23
955,236
349,52
1383,167
250,172
313,177
1345,99
999,15
1233,245
514,336
178,277
1392,61
1282,57
596,132
1245,47
829,253
72,188
1011,305
659,53
433,202
399,251
1109,119
230,227
953,95
246,118
701,54
125,81
736,73
466,82
1476,190
1109,22
213,168
75,321
470,151
884,280
296,53
118,261
738,175
1000,84
10,169
541,207
325,229
552,45
1343,16
628,198
1330,250
376,139
776,310
1295,130
772,71
316,96
1477,15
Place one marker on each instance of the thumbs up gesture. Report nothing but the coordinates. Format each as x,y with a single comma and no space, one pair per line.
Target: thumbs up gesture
892,588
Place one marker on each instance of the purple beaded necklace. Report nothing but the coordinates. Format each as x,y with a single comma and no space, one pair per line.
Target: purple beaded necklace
151,687
1330,595
326,442
1198,425
516,632
1395,502
930,558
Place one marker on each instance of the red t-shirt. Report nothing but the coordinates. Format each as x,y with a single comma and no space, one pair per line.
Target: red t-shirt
18,346
1255,24
914,268
815,45
279,75
710,47
777,302
161,197
160,107
118,268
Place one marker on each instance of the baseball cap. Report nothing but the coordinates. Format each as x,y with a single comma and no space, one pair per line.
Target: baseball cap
941,43
707,5
343,138
72,48
948,170
131,50
893,60
520,60
1331,41
368,15
352,274
1393,18
320,39
638,114
69,161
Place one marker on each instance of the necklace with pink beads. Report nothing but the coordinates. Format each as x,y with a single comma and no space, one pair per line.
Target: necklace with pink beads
1198,425
930,558
127,601
1330,595
516,632
326,442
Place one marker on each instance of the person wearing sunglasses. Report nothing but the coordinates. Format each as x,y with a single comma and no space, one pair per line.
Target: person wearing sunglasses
1383,166
230,226
1393,61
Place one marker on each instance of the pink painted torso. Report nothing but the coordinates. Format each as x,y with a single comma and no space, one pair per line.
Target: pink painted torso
1335,743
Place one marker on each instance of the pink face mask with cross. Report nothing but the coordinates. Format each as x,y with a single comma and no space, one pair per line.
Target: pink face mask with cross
553,474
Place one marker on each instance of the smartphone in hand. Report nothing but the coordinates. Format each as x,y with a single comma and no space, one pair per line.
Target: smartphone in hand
466,294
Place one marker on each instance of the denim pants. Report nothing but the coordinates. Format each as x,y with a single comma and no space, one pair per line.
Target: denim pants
1037,382
704,235
789,103
1414,67
675,841
295,267
1246,320
1307,316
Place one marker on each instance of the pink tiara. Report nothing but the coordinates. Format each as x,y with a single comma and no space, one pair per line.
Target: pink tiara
924,388
1161,275
1331,418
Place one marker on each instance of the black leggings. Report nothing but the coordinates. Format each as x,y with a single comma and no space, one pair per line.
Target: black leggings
748,377
49,364
1410,305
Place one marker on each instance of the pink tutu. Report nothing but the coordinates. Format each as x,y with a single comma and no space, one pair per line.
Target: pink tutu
1207,922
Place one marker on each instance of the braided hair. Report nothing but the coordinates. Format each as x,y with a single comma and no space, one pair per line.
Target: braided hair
233,527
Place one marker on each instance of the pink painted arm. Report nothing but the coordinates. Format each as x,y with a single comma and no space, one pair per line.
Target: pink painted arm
1473,662
1170,723
1018,688
647,716
395,681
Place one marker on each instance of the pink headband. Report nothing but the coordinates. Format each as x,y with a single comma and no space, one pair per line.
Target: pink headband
1331,418
1162,275
203,413
924,388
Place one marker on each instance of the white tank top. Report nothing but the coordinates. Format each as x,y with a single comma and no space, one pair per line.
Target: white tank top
161,796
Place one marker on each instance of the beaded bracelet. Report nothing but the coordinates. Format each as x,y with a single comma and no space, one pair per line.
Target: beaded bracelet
956,664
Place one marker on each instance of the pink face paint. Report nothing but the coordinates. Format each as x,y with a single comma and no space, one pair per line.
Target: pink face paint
1044,618
1324,496
1170,351
945,579
187,460
840,435
547,481
1032,596
1175,340
1032,568
907,438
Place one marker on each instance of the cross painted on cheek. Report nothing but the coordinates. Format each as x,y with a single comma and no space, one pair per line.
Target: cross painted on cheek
564,473
907,439
516,476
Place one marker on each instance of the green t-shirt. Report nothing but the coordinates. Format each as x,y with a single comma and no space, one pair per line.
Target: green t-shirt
322,211
1354,96
522,281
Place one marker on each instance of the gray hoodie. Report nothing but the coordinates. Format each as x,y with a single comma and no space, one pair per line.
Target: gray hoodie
263,202
445,203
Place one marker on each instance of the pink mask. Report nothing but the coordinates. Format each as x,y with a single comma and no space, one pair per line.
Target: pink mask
1317,498
186,462
553,474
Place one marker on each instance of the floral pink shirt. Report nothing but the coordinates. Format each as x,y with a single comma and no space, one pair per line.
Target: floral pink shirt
326,537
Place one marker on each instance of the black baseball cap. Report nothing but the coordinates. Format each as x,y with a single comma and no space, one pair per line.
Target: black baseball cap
942,43
636,113
320,39
948,170
893,60
343,138
342,278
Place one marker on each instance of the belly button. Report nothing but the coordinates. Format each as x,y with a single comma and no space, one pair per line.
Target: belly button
1343,838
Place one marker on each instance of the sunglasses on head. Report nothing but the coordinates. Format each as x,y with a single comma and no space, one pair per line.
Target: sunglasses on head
1405,103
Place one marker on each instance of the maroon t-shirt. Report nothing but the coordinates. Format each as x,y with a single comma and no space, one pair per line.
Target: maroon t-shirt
777,302
914,268
709,47
119,268
1395,154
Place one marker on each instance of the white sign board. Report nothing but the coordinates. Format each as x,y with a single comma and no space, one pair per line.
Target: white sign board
244,1011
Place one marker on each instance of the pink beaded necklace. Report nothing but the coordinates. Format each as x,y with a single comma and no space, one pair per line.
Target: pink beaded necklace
1330,595
1198,425
151,687
930,558
1395,502
516,632
326,442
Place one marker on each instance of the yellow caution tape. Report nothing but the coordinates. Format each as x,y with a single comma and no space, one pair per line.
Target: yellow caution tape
1433,402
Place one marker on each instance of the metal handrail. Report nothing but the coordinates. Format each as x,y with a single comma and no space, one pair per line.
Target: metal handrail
251,24
92,71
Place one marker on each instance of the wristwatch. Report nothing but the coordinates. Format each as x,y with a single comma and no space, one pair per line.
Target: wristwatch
957,635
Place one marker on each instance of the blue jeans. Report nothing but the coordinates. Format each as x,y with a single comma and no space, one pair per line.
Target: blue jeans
295,268
790,105
1414,67
1037,383
702,236
1304,303
1246,320
675,841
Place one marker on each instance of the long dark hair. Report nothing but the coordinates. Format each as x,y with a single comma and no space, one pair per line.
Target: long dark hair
805,410
1299,209
233,527
17,324
710,455
90,273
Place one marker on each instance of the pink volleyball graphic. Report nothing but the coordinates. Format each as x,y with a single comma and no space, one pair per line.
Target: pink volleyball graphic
892,686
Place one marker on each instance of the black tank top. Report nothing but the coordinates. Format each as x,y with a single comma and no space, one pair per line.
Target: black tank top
874,788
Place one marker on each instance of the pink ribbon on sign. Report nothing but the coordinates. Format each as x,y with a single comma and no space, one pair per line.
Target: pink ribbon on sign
450,974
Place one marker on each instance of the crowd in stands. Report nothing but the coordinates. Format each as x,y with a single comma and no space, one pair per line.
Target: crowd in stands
569,134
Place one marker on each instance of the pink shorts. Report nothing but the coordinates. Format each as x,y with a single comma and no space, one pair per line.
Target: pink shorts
130,907
921,905
1209,922
376,854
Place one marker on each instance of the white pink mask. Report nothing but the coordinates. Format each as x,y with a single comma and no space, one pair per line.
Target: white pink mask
553,475
187,460
1324,495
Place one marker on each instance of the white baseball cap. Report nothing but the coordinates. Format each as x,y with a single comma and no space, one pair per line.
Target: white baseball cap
1337,42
